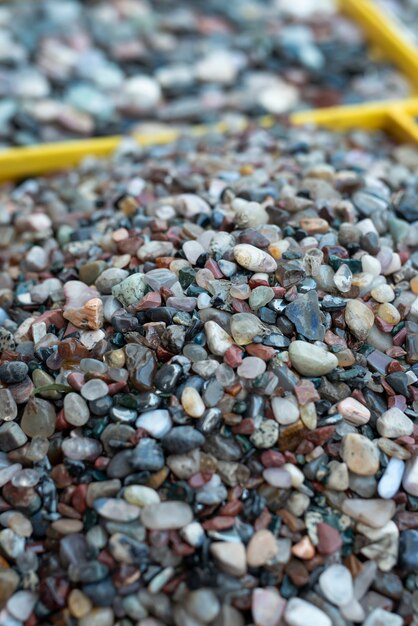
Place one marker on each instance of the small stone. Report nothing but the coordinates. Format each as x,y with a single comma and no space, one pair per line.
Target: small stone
261,548
67,526
76,411
298,612
94,389
192,402
359,318
116,509
183,439
203,605
336,584
21,605
83,307
304,549
338,478
360,454
244,327
81,448
393,423
218,340
310,360
79,604
193,250
374,512
141,496
329,539
8,406
184,466
343,278
371,265
36,259
305,314
148,455
9,581
141,364
278,477
392,478
408,550
380,617
383,293
285,410
381,545
254,259
13,372
267,607
167,515
410,477
353,411
7,473
157,423
98,617
38,419
230,557
251,367
193,533
130,290
260,296
266,435
109,278
11,545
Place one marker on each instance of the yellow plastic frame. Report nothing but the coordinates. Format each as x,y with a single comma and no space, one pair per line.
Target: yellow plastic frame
396,117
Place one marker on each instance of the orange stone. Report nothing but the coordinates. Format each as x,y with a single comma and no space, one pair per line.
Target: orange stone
414,284
304,549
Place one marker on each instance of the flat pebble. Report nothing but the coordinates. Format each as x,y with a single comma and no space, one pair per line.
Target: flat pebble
167,515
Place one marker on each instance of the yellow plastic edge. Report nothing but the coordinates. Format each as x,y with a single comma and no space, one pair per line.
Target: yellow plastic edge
396,117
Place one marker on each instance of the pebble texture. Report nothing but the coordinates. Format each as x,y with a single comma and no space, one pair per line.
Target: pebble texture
208,409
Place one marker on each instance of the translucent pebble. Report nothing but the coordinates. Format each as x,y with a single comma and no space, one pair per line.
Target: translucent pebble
251,367
26,478
204,277
94,389
242,292
93,366
312,261
203,301
343,278
225,375
371,265
81,448
76,411
8,406
7,473
193,250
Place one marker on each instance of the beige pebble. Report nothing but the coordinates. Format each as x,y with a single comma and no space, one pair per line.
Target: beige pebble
393,423
231,557
261,548
360,454
353,411
359,318
66,526
79,604
383,293
192,402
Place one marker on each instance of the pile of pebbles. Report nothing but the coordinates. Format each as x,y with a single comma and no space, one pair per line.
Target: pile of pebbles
209,386
72,69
